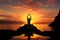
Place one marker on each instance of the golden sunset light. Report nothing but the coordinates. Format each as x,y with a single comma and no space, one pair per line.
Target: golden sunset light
15,14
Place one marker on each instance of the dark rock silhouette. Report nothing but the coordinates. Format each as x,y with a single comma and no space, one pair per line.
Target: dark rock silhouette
6,34
56,25
55,34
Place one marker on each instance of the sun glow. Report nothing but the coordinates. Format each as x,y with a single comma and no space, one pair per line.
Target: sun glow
29,16
34,15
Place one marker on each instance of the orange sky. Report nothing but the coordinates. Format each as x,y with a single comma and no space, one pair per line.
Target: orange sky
42,12
19,13
38,15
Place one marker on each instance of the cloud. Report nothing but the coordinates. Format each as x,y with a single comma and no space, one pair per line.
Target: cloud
10,22
20,7
0,0
6,16
29,3
1,10
6,19
16,7
44,21
33,3
51,2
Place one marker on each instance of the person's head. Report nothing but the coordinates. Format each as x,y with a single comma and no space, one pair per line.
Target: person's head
29,18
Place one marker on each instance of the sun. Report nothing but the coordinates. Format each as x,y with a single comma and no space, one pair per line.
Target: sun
35,17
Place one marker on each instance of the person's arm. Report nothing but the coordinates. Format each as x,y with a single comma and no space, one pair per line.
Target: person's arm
18,31
46,33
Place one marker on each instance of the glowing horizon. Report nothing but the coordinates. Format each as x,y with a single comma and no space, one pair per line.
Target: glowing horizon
42,11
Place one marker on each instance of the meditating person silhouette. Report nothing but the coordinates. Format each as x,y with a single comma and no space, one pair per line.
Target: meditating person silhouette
29,29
